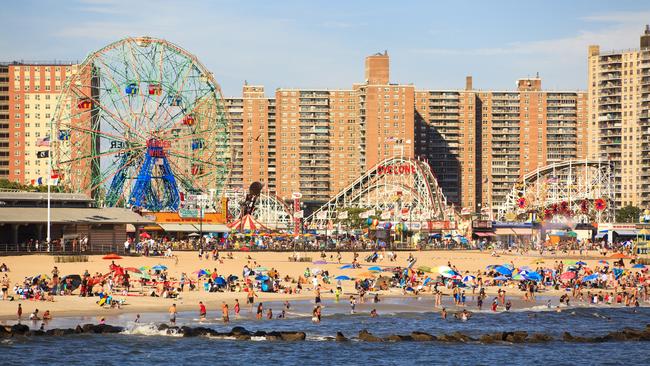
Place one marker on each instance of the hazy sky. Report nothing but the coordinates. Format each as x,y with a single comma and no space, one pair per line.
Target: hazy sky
321,44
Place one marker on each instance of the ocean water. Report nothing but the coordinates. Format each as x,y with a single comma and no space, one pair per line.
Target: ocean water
143,344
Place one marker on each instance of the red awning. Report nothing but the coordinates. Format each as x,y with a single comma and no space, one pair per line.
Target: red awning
483,234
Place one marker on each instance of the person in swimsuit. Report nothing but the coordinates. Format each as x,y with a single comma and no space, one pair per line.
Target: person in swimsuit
225,311
237,308
172,314
202,310
260,310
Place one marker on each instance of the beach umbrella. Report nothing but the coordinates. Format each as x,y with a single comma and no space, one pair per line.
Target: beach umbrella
262,278
425,269
320,262
569,262
145,268
447,236
501,278
492,266
141,275
572,234
591,277
426,281
41,276
145,235
159,267
220,281
346,266
618,256
509,266
518,277
603,262
375,269
638,265
533,276
202,272
581,263
468,278
445,269
261,269
525,268
568,275
618,272
504,270
132,269
342,278
75,281
111,256
436,236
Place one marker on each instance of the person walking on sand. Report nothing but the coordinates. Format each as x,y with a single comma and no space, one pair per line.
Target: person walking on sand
224,310
172,314
202,311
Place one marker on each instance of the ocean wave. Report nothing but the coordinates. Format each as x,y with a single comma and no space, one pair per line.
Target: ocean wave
150,329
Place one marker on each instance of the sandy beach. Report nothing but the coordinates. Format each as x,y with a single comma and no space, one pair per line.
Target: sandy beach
188,262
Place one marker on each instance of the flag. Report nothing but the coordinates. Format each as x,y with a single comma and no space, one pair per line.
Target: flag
33,182
43,154
386,215
299,214
321,215
45,141
39,181
54,181
343,215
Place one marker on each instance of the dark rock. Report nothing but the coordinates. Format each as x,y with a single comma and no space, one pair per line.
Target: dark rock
78,329
19,329
422,337
462,337
4,332
293,336
398,338
57,332
259,333
540,338
516,337
486,338
340,337
188,331
172,330
163,326
239,331
105,329
87,328
273,336
243,337
36,333
447,338
364,335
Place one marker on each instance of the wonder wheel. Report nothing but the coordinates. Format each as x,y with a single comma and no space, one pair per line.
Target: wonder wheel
141,124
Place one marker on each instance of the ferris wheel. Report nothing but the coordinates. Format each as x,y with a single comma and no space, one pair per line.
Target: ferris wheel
141,124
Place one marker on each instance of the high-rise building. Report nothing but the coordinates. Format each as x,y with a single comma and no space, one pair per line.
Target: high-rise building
478,143
33,91
4,121
619,117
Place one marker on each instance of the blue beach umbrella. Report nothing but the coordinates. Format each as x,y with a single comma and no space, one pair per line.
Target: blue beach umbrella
342,278
159,267
581,263
591,277
533,276
347,266
468,278
262,278
492,266
375,269
426,281
504,270
501,278
638,265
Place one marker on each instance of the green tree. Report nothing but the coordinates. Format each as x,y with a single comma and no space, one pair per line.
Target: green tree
353,221
628,213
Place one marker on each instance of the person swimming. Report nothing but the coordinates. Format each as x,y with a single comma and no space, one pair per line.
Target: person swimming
373,313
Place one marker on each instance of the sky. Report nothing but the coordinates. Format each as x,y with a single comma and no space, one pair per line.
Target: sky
321,44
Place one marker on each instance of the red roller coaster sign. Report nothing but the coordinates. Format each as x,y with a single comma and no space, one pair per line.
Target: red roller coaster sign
396,169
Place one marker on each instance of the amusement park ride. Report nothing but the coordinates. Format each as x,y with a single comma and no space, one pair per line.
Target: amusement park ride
142,124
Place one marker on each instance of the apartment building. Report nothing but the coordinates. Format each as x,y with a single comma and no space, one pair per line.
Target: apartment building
4,121
33,90
619,102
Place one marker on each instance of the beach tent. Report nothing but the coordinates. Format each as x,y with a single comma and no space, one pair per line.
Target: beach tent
247,223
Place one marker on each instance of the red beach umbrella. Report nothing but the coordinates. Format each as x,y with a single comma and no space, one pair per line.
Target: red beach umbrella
111,256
